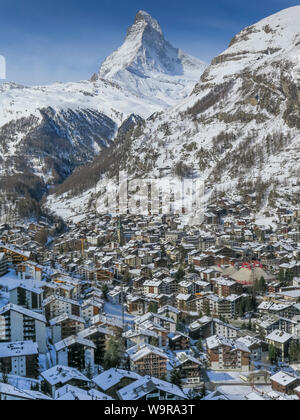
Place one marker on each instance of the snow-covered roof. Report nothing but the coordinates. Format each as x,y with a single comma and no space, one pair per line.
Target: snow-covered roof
279,336
67,342
138,352
283,378
112,377
137,390
64,317
215,342
19,348
62,375
72,393
23,311
20,394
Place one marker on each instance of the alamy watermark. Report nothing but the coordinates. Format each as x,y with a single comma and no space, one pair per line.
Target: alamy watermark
170,196
2,67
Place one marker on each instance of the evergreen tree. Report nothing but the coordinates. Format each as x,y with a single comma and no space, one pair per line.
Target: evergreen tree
179,275
203,391
105,291
289,277
175,377
153,307
272,354
281,276
154,341
250,325
113,353
262,285
126,277
294,352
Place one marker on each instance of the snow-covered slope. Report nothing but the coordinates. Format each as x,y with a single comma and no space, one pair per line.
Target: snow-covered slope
48,131
149,66
239,130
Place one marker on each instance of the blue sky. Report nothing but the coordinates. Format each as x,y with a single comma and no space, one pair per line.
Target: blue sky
66,40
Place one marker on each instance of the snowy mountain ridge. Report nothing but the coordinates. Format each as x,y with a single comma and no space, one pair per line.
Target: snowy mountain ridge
148,65
239,130
48,131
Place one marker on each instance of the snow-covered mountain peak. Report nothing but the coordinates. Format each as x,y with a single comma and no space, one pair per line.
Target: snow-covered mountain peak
273,39
149,66
238,131
145,19
278,31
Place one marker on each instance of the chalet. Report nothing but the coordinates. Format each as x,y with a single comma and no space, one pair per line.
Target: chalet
133,261
254,345
151,388
27,295
58,376
202,287
20,324
204,261
91,307
112,380
64,326
277,308
280,340
138,284
11,393
226,354
75,352
169,312
19,358
112,323
148,360
140,337
179,341
216,306
99,336
284,383
209,273
154,287
160,331
55,306
169,286
202,328
186,287
224,287
136,305
183,301
15,255
30,270
223,329
72,393
190,368
103,276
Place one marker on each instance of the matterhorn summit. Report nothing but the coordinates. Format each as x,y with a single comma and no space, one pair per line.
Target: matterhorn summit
148,65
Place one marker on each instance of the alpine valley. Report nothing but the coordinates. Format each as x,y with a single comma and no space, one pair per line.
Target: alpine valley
48,131
152,110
